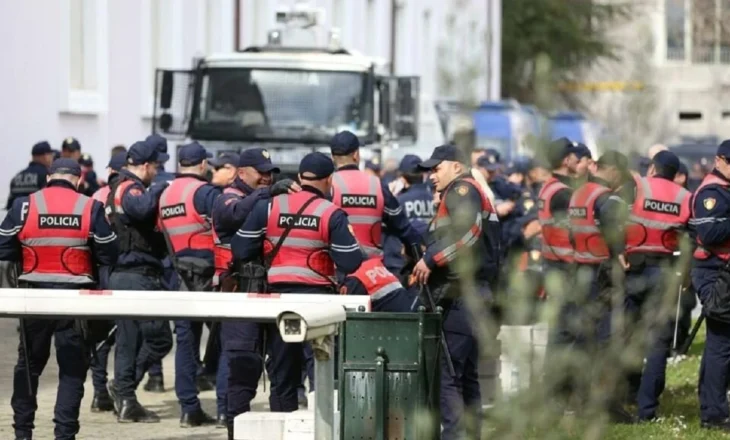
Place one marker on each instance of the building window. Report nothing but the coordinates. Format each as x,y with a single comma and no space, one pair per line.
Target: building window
698,31
85,45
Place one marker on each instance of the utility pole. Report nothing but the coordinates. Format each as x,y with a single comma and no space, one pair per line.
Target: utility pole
494,50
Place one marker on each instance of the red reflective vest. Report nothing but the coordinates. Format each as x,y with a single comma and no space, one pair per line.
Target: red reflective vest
660,208
186,228
101,194
721,251
443,217
55,238
360,195
556,245
590,246
377,280
222,255
304,257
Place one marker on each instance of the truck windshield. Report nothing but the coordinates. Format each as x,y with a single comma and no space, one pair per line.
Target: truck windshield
281,105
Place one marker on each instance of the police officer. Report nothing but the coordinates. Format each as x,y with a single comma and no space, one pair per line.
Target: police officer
318,243
710,278
597,218
367,201
585,166
58,229
71,149
102,401
225,169
506,194
160,143
661,209
466,228
184,212
90,183
155,381
681,178
132,210
385,290
34,177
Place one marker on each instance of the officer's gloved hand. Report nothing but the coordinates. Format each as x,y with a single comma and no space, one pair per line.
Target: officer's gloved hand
285,186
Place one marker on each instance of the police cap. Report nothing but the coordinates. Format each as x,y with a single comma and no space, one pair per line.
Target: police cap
683,169
491,160
259,159
409,164
70,144
41,148
66,166
372,165
160,143
344,143
316,166
223,160
142,152
559,149
86,160
448,152
614,159
192,154
667,161
117,161
724,149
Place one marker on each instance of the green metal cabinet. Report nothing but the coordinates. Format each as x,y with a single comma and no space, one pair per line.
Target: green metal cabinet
389,376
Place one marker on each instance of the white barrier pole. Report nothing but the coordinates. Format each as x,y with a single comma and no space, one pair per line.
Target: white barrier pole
324,384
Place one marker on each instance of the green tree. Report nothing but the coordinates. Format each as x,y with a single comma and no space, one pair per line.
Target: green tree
545,42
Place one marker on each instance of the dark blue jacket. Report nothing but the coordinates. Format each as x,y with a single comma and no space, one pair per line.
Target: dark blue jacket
92,184
103,241
248,243
505,190
163,176
612,214
417,203
140,211
27,182
230,210
711,220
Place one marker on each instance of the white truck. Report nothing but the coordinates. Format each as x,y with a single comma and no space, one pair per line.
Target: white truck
289,96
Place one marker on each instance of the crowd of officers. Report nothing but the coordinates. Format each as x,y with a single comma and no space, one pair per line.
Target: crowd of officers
451,226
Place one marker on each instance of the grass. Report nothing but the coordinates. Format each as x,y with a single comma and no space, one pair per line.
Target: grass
678,414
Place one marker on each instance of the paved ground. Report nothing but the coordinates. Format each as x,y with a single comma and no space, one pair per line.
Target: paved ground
101,426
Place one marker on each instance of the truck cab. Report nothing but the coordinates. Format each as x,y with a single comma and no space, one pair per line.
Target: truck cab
289,96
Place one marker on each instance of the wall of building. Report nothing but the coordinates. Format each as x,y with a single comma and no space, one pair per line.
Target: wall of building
85,68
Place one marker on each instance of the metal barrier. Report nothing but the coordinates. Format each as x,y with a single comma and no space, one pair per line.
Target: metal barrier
299,317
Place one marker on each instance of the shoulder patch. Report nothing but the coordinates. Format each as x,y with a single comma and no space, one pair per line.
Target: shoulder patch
135,192
709,203
462,190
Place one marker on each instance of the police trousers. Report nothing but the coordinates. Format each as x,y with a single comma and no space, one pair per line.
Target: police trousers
73,361
140,343
714,374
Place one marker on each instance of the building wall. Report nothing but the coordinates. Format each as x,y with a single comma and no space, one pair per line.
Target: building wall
84,68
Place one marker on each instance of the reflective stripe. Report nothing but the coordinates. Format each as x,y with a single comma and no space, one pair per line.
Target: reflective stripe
34,277
559,251
299,242
588,257
385,290
76,243
645,187
296,270
655,224
585,229
372,251
363,219
189,229
651,248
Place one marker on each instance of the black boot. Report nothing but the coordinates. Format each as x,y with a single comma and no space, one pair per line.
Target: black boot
112,389
132,412
102,402
221,421
619,415
204,383
155,384
196,418
720,425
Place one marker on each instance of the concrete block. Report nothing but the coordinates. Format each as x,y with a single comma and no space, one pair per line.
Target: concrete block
259,426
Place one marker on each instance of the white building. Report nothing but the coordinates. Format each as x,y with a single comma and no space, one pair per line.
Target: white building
85,68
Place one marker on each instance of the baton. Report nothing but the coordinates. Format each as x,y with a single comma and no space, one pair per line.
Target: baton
685,347
26,356
676,321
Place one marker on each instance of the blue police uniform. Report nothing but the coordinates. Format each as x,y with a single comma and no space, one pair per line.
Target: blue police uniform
133,212
72,352
710,213
453,236
160,144
287,359
91,183
194,255
33,177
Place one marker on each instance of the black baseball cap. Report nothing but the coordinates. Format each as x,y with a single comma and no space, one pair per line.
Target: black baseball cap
667,160
192,154
344,143
259,159
160,143
86,160
142,152
117,161
724,149
559,149
447,152
316,166
409,164
66,166
71,144
614,159
42,147
223,160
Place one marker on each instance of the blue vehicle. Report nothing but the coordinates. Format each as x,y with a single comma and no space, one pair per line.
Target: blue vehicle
575,127
502,127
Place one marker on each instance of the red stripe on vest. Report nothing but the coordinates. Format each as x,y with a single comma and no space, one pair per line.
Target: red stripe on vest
375,277
360,195
721,251
101,194
590,246
186,228
55,237
222,255
304,257
556,245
